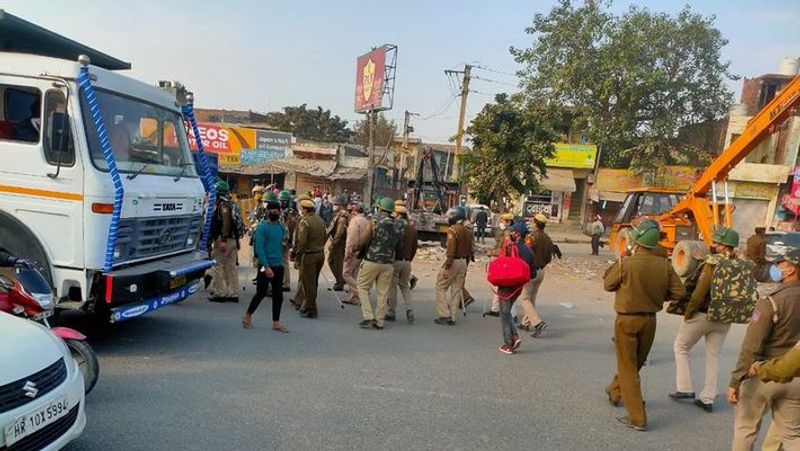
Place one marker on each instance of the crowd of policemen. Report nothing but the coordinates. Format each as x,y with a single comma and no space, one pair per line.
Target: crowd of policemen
762,381
374,249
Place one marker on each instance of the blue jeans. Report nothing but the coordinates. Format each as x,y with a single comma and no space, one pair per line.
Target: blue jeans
506,320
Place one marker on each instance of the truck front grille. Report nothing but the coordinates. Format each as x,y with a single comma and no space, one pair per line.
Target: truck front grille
142,238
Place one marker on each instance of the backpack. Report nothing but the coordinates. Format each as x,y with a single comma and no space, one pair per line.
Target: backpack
508,270
734,290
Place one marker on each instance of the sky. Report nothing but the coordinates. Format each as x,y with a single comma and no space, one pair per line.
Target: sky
264,55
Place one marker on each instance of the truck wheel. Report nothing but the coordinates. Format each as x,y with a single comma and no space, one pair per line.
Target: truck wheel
687,255
19,241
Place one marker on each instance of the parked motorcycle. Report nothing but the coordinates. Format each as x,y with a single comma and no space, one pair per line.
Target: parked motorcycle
24,292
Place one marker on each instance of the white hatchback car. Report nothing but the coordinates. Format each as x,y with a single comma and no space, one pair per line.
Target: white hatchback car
41,388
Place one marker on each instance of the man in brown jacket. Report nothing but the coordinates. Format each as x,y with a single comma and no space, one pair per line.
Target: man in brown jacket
404,254
757,252
338,240
642,282
450,281
773,330
542,247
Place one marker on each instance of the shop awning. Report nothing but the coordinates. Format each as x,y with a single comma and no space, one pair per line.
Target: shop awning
613,196
559,180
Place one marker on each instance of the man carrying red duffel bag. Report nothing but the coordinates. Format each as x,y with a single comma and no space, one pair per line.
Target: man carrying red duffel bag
510,272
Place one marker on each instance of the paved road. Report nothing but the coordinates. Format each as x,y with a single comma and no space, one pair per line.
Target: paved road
189,377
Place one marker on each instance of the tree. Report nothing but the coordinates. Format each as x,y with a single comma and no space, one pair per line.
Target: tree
631,81
311,124
511,142
385,131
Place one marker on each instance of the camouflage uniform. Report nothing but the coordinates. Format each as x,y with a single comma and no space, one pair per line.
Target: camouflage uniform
378,265
708,315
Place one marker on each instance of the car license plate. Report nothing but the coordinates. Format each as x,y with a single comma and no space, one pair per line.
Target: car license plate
176,282
34,421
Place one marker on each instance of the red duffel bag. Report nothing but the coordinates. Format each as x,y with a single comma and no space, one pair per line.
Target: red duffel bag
508,270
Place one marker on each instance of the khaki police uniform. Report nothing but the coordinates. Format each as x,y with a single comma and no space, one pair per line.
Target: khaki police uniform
378,266
642,282
403,256
225,282
357,229
774,330
311,235
450,281
781,369
542,247
338,238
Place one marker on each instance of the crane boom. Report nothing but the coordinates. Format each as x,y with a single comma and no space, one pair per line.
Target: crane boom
759,127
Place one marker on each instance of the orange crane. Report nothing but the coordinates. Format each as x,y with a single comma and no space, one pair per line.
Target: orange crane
695,215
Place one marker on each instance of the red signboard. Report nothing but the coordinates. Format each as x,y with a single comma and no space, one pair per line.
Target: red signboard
370,71
792,200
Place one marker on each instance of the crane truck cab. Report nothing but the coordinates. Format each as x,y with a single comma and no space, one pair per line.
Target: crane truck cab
113,217
647,202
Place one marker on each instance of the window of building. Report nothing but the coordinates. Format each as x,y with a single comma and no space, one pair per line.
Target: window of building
768,91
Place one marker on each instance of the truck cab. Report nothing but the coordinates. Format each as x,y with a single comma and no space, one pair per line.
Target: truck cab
648,202
57,192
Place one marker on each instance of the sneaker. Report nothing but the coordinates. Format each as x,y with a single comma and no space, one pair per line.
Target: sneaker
679,395
538,329
493,313
707,407
366,324
506,349
391,318
626,422
206,281
412,282
410,316
516,342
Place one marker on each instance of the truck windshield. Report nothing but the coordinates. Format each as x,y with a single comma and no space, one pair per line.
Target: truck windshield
144,137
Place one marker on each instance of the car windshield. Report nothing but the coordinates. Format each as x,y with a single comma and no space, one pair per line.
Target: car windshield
784,239
144,137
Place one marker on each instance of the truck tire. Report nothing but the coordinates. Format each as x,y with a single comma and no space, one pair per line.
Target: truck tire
19,241
687,255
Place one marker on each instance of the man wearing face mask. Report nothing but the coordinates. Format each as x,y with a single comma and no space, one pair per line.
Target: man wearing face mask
338,240
450,281
704,319
500,236
773,330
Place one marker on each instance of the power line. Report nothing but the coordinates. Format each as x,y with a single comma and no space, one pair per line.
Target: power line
441,110
488,69
489,80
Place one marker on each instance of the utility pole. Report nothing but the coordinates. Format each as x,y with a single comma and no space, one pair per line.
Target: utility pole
461,115
371,114
407,130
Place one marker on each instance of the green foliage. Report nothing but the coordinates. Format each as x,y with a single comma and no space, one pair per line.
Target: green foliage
511,142
385,131
311,124
631,81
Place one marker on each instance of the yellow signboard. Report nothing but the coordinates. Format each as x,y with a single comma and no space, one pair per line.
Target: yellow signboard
576,156
229,159
755,190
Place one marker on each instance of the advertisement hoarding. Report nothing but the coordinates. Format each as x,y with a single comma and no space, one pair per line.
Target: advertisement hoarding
246,146
370,77
575,156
